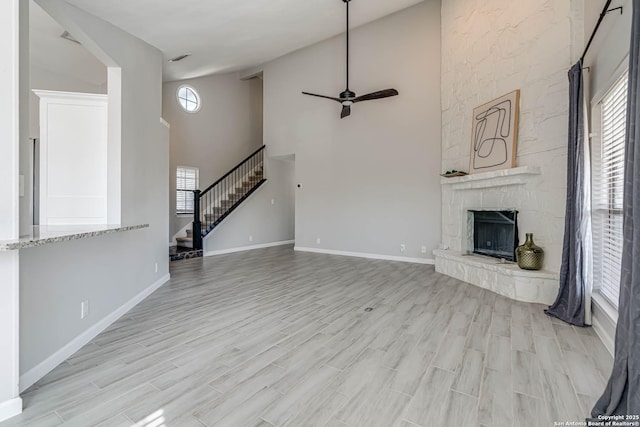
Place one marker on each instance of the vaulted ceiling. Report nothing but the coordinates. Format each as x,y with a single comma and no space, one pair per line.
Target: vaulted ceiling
230,35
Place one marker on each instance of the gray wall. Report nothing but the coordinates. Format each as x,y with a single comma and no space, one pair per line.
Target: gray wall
43,79
227,128
58,64
369,182
112,269
258,217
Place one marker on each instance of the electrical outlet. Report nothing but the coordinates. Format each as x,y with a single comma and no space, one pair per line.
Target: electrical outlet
318,241
403,248
156,267
423,249
84,309
250,238
273,201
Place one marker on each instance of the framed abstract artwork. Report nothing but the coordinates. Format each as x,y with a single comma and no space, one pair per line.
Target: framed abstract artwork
495,134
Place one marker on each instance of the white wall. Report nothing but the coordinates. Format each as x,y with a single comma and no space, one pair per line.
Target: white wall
26,199
610,49
492,48
73,271
226,129
607,59
13,112
369,182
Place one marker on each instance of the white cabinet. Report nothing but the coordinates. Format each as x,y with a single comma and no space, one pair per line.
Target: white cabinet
73,158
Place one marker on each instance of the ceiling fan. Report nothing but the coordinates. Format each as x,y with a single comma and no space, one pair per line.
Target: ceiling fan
348,98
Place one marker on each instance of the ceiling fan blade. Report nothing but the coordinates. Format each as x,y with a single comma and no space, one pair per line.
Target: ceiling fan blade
323,96
376,95
346,111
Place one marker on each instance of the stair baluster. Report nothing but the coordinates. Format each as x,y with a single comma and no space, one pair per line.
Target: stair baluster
214,204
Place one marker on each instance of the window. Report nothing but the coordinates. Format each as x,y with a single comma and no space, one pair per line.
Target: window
189,99
186,182
608,186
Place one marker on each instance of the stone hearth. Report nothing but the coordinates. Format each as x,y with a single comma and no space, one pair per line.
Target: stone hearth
502,278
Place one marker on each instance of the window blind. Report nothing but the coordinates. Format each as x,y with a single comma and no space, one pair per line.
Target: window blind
186,182
608,192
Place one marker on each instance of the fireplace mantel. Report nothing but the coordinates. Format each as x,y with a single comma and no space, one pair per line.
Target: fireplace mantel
501,178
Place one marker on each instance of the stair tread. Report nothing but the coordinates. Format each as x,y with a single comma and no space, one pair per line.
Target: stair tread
213,215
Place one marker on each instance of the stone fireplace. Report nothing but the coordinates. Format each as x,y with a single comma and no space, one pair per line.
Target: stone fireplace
507,190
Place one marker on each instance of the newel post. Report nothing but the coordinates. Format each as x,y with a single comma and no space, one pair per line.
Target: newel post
197,225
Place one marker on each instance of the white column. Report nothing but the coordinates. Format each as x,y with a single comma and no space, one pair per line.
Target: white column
10,402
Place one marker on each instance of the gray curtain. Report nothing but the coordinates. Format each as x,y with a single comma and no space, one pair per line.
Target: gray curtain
572,302
622,395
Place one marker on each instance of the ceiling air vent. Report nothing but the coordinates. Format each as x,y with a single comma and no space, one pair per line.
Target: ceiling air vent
179,58
69,37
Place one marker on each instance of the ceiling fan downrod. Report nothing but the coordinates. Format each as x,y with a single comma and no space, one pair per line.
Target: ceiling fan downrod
347,93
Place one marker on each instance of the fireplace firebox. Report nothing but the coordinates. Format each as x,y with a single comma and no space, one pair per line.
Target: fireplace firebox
495,233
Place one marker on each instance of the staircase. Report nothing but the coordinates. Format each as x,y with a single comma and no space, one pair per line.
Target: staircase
218,201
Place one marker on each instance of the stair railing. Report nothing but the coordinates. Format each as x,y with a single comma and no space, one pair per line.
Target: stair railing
217,201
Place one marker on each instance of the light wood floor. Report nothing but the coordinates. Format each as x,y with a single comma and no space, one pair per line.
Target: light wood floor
277,338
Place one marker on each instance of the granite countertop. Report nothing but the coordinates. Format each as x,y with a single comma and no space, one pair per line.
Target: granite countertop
44,235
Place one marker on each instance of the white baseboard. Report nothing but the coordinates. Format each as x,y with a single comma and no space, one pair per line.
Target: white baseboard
603,321
605,337
10,408
30,377
367,255
249,248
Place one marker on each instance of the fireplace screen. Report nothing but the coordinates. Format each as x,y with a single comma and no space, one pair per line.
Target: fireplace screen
495,233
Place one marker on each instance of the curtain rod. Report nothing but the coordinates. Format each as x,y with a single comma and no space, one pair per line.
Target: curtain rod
605,10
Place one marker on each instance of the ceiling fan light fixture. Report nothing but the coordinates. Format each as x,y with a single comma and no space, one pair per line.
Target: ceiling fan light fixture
348,94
